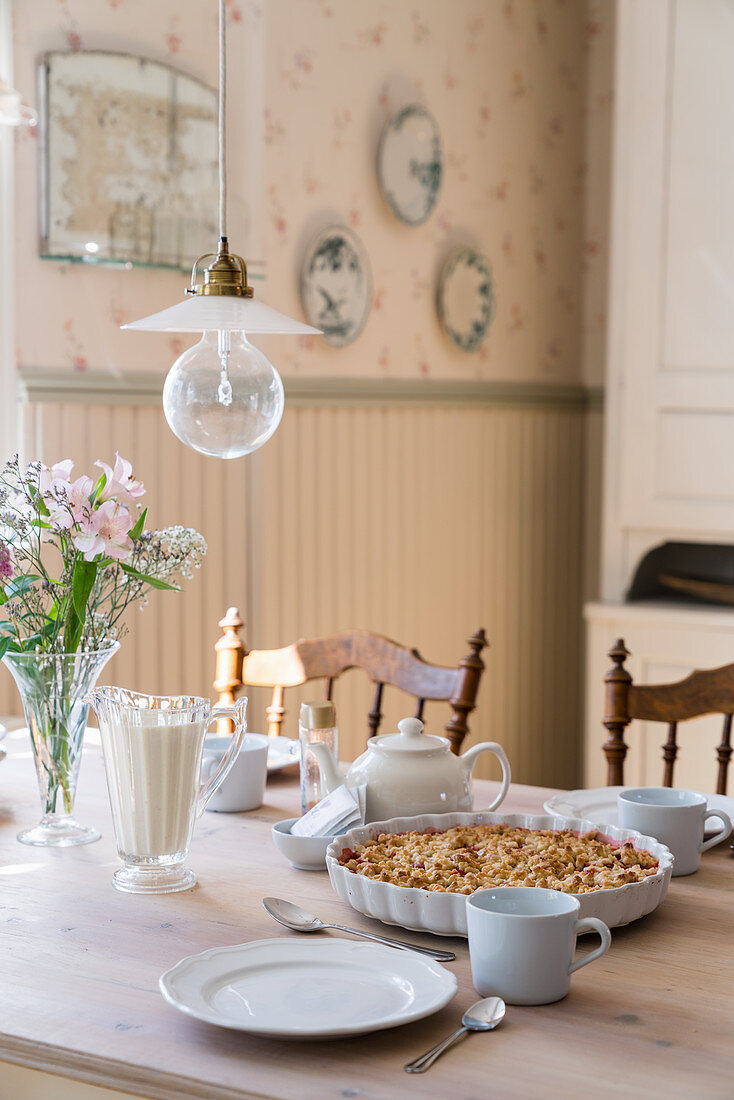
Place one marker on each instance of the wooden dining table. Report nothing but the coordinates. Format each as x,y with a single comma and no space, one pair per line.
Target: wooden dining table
80,964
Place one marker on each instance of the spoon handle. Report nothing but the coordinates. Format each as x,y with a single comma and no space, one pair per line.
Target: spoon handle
420,1065
441,956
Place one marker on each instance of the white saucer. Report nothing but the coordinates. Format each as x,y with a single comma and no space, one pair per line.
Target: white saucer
317,989
599,804
282,752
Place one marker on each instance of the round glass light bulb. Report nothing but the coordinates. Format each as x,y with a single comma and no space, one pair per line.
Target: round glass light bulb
223,397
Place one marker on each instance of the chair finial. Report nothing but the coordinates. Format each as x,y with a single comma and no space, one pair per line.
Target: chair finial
616,718
230,651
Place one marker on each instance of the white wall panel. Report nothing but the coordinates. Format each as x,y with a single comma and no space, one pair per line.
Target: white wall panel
424,524
418,521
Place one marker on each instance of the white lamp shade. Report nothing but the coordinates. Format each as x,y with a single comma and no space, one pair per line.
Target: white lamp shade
207,312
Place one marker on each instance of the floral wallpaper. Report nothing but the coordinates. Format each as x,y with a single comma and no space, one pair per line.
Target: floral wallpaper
73,315
521,93
598,104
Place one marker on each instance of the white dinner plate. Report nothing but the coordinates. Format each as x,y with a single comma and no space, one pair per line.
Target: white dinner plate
317,989
3,731
599,804
282,752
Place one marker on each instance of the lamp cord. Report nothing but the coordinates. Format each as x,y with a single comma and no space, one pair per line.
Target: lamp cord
222,132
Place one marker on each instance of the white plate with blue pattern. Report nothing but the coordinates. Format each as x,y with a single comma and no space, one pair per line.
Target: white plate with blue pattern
410,164
336,285
466,299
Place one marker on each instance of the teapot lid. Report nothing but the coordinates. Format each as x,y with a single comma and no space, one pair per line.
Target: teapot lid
411,739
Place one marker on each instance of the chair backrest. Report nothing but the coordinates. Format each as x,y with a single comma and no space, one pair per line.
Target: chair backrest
385,662
709,692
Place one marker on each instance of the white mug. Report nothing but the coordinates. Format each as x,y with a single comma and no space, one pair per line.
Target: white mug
522,941
676,818
244,786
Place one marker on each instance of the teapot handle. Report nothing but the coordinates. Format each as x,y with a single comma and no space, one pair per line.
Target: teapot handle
469,757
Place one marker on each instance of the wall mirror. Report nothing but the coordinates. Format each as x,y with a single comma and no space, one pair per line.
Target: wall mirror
129,162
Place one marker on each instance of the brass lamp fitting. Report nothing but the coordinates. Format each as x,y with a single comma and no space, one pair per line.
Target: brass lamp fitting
227,275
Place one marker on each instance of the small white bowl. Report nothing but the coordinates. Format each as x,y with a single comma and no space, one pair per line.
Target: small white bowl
308,853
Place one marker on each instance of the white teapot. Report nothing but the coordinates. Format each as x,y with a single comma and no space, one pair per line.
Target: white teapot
409,773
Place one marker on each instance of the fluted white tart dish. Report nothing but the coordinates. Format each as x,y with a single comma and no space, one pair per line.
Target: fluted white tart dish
445,914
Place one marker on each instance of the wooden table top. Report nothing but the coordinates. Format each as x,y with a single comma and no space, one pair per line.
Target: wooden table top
80,965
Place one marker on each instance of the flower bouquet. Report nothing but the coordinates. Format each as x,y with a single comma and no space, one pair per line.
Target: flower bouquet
74,554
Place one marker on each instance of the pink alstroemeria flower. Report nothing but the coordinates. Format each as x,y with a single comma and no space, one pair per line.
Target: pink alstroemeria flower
105,530
72,502
120,483
50,476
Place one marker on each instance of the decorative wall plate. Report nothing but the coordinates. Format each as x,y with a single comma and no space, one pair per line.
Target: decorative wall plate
336,285
409,163
466,299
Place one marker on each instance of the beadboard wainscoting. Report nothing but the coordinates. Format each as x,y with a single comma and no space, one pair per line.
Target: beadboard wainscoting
418,510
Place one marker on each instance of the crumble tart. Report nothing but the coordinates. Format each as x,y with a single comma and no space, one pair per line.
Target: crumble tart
465,858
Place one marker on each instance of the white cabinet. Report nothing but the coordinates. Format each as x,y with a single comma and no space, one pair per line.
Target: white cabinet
669,427
670,379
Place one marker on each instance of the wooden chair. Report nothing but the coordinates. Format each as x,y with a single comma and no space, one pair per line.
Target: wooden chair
385,662
709,692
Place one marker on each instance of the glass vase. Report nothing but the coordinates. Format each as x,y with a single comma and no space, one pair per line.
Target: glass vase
52,687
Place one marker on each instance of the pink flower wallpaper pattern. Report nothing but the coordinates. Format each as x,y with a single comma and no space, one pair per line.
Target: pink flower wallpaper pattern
521,91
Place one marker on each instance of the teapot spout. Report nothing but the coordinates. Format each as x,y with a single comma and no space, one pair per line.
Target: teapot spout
330,777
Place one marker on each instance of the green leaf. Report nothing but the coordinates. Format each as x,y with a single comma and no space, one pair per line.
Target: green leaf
48,628
82,582
5,644
154,582
138,528
85,573
73,631
20,585
98,487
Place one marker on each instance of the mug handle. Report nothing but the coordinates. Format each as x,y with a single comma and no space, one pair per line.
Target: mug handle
591,924
469,757
237,713
717,837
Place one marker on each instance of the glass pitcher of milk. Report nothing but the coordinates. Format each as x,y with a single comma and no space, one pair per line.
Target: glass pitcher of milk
152,746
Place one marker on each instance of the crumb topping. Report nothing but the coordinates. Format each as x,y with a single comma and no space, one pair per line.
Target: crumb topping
471,857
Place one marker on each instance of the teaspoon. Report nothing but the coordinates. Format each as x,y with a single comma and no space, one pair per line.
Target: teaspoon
292,916
482,1016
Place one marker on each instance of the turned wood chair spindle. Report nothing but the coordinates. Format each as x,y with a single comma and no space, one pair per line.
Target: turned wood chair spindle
703,692
384,661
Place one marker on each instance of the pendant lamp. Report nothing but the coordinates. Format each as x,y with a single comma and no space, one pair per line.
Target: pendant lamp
222,397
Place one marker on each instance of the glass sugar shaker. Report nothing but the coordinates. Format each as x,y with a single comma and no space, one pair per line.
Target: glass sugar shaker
316,722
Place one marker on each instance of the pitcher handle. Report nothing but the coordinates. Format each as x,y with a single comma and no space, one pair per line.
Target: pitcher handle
469,757
237,712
